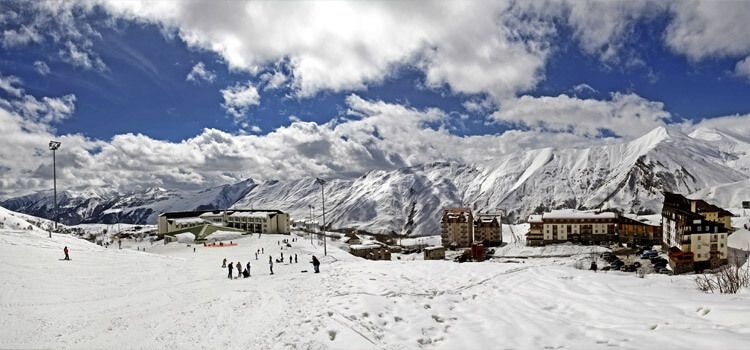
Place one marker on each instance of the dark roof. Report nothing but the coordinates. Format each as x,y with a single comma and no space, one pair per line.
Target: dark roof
194,213
702,206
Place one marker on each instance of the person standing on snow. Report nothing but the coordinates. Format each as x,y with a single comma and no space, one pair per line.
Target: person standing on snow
239,269
65,250
229,267
224,263
295,258
270,264
247,269
316,264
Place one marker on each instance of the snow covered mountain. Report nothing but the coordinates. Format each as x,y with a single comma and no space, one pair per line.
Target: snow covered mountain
629,175
92,206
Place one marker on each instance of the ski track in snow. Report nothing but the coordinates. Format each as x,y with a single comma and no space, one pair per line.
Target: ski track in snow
172,298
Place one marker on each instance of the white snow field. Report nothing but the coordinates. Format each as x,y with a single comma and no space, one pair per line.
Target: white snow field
170,297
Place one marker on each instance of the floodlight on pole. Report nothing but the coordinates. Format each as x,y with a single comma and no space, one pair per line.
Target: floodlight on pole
322,184
53,146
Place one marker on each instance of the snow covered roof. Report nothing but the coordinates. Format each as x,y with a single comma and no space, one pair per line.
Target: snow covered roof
363,246
433,248
535,218
740,239
220,213
577,214
188,221
253,214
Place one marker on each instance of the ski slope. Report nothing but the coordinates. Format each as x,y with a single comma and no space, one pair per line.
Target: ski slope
170,297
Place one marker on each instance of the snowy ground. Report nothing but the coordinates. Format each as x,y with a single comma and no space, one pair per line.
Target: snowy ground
171,297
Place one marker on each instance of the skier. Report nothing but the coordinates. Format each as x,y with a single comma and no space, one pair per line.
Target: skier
316,264
270,264
65,250
262,251
282,256
239,270
290,259
224,263
256,256
229,267
295,258
593,266
247,269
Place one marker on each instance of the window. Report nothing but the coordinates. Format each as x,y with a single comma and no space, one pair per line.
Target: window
699,255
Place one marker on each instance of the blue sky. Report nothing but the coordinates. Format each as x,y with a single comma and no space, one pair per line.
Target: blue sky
144,90
588,71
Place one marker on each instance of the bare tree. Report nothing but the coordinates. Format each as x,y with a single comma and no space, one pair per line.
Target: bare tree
729,279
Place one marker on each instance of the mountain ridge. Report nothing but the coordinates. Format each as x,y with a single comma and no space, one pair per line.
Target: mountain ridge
629,175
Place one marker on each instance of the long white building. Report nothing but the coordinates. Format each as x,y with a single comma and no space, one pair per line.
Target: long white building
246,220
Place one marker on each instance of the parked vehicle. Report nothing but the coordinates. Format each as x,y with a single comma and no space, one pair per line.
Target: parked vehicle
628,268
606,268
665,271
649,254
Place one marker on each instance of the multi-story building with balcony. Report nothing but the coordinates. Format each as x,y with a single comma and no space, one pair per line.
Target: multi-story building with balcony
694,242
457,227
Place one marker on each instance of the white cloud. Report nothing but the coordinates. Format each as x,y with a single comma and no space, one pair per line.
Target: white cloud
273,80
81,57
239,98
294,118
341,46
41,67
703,29
64,24
200,73
627,115
742,68
11,85
377,135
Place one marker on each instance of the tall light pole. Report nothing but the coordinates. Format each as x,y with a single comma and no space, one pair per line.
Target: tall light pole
310,224
53,146
323,198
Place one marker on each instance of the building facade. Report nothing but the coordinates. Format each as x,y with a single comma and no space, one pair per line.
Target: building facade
488,228
457,227
370,251
585,227
247,220
694,241
434,253
535,236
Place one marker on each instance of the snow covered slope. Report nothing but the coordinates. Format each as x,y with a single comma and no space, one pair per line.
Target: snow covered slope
172,297
629,175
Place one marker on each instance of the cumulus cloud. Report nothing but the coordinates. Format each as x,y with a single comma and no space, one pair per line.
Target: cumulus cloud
342,46
375,135
273,80
742,68
45,110
239,98
627,115
703,29
200,73
41,67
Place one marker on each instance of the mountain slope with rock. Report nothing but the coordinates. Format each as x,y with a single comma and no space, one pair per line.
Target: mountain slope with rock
629,176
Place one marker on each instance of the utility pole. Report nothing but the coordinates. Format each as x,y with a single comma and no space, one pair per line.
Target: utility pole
323,198
54,145
310,224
